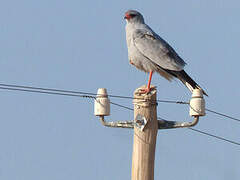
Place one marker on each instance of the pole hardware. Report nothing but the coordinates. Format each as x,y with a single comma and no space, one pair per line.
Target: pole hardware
146,125
102,108
197,109
140,122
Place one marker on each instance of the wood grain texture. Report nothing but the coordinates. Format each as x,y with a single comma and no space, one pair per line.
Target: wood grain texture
144,141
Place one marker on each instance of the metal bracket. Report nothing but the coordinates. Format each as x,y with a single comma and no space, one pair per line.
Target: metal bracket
117,124
163,124
140,122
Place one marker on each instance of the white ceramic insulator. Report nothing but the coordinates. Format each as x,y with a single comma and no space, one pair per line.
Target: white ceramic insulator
102,103
197,103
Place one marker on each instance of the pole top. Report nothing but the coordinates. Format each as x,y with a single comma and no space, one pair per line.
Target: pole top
138,92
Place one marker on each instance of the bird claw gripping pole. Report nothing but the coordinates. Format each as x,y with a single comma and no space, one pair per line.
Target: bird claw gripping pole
102,108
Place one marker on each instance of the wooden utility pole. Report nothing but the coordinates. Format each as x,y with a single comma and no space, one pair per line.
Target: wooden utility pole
146,126
144,140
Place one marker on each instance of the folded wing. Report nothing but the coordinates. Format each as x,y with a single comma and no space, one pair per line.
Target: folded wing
157,50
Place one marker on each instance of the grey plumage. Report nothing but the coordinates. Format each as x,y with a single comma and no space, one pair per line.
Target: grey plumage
149,52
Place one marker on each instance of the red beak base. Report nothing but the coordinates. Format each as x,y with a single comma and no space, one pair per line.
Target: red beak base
127,16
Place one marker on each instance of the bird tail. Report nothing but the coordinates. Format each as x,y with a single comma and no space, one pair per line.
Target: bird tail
188,81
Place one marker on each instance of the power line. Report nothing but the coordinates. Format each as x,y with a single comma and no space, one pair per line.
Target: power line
46,89
193,129
89,94
224,115
119,105
93,96
208,134
58,92
47,92
217,137
78,92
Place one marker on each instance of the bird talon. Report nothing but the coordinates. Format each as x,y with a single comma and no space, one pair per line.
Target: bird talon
145,90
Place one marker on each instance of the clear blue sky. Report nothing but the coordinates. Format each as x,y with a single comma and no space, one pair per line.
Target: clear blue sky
80,45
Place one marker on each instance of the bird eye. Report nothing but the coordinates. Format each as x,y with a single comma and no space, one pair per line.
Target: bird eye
133,15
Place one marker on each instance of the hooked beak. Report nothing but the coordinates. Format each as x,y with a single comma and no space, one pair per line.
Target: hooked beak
127,16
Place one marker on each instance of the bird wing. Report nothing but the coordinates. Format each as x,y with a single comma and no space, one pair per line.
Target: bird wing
153,47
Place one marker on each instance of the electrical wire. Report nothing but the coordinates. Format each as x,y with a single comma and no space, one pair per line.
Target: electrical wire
224,115
47,92
119,105
217,137
93,96
208,134
80,92
88,94
46,89
193,129
58,92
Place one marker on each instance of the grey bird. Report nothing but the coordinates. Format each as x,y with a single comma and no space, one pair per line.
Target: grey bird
150,53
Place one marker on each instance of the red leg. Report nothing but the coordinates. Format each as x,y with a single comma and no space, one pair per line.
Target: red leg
147,90
149,81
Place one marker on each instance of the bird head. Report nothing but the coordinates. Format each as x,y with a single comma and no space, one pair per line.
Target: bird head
133,16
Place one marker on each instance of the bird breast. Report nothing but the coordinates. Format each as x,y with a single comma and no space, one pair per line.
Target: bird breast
135,57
